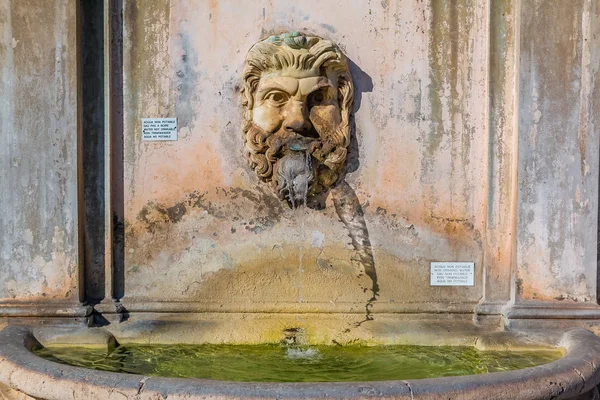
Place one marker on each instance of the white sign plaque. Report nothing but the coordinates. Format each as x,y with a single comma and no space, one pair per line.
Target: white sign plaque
154,129
452,274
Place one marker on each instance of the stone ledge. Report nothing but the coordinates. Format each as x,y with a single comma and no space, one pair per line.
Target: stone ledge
542,310
74,336
46,309
146,305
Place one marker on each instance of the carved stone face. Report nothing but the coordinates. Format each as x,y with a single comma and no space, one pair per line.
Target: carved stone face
298,96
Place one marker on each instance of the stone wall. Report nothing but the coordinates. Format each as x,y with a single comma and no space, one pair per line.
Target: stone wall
476,140
39,255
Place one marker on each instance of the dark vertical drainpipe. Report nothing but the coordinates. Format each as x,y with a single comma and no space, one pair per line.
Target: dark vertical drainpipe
116,156
92,149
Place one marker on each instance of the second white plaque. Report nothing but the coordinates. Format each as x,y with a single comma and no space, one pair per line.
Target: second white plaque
452,274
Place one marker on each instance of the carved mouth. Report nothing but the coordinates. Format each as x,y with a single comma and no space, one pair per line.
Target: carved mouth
311,133
298,143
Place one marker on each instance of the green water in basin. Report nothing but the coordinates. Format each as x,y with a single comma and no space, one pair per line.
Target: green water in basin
278,363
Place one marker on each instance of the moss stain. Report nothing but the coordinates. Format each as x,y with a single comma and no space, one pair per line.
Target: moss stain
501,30
451,59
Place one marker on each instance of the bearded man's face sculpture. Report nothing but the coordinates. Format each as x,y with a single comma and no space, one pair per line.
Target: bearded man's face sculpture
298,96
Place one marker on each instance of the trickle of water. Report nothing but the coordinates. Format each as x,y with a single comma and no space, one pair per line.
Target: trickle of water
292,195
309,353
301,259
307,172
297,346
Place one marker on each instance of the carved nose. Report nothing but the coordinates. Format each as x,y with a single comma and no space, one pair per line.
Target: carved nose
297,120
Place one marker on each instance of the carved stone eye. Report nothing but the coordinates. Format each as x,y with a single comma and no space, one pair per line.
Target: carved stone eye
277,98
317,97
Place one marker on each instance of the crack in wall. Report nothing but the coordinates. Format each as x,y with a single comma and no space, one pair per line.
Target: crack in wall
409,389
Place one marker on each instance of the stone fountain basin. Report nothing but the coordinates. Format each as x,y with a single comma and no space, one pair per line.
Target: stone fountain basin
574,376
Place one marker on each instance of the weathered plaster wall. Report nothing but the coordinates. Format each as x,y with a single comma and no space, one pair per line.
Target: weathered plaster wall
559,111
437,168
38,151
199,226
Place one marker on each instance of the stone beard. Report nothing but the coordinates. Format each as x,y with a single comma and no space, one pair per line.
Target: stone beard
298,99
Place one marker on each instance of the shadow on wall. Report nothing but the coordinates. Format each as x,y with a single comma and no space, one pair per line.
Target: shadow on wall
347,204
362,84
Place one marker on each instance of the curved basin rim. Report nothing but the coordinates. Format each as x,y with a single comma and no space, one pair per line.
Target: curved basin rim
576,372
